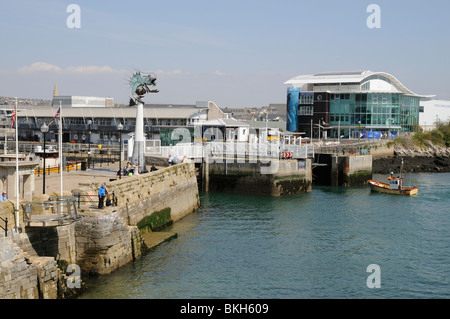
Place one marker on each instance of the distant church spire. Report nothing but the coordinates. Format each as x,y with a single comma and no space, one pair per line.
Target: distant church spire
55,91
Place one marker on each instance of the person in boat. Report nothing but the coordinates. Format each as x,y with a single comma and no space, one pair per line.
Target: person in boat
392,176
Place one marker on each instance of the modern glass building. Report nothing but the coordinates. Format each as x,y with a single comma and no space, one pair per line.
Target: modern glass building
353,104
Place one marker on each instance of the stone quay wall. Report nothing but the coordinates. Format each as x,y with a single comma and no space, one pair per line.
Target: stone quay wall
277,178
351,170
28,277
34,262
107,240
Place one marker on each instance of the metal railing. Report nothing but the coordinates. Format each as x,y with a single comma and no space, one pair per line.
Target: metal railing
92,199
56,211
237,149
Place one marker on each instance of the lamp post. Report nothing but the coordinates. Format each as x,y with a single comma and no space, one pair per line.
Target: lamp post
120,128
44,130
389,133
89,122
360,131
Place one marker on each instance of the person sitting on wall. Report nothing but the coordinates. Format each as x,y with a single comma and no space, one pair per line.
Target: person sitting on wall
153,168
132,169
170,161
3,197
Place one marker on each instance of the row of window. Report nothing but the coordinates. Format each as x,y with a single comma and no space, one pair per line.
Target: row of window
376,98
365,119
103,122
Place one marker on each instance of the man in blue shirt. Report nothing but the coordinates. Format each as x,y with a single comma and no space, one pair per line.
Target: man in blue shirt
101,195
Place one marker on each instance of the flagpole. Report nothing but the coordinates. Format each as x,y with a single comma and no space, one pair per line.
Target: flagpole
17,168
60,146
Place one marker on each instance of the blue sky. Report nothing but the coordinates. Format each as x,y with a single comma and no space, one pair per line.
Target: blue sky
235,53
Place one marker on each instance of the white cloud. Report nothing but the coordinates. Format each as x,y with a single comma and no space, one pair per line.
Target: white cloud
82,69
40,67
219,73
90,69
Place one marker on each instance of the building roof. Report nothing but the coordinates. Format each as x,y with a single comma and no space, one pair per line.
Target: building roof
350,77
223,122
270,124
158,111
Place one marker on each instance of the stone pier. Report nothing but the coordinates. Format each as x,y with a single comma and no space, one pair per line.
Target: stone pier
34,261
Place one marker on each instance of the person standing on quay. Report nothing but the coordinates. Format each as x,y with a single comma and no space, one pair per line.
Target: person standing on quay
101,195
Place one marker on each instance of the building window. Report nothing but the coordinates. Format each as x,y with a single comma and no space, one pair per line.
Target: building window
306,110
365,86
375,98
306,99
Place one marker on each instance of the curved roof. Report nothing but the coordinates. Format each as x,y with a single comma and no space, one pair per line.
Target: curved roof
356,77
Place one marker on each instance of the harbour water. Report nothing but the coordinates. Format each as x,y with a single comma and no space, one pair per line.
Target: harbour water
314,245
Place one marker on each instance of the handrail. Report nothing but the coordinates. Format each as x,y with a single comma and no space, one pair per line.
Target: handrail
63,208
6,226
90,199
232,149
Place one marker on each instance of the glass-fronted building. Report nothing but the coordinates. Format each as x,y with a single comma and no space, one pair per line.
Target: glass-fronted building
354,104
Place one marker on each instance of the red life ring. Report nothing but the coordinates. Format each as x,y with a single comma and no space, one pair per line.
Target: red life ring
352,151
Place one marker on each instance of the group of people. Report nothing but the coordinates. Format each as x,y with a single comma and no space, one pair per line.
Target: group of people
130,169
102,194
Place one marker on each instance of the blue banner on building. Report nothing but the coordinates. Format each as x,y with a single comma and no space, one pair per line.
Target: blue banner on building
292,107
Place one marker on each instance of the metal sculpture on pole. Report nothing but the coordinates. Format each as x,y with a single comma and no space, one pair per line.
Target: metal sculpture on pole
139,87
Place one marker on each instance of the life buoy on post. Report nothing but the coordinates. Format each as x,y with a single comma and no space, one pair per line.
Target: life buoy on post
352,151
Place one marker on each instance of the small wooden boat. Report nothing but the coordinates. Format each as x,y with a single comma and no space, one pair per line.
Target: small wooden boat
394,186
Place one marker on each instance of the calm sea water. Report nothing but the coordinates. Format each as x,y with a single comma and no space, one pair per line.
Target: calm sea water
315,245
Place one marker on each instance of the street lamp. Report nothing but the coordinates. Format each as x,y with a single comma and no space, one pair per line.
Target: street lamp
389,133
120,128
44,130
89,122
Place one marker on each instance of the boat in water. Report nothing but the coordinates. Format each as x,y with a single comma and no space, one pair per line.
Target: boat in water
52,161
394,186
